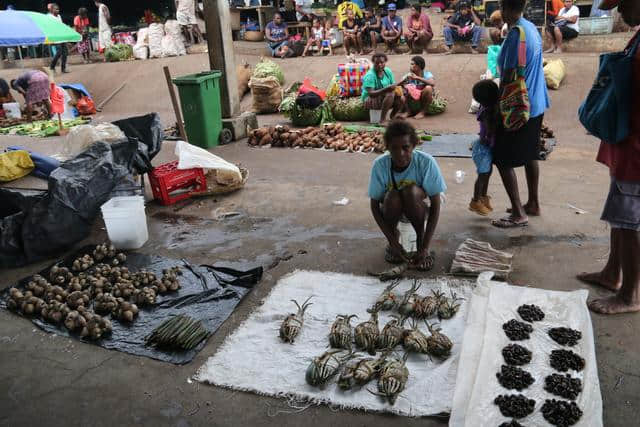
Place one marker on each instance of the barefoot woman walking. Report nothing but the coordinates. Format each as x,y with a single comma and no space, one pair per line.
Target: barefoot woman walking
519,148
622,208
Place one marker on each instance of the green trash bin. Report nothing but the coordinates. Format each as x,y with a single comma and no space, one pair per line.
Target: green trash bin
201,109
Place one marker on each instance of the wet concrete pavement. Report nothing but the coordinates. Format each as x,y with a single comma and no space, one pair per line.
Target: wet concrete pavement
286,221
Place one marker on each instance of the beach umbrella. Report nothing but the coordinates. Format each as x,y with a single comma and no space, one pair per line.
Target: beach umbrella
22,28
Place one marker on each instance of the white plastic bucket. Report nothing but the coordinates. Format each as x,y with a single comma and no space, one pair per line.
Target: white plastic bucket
126,221
408,238
12,109
375,116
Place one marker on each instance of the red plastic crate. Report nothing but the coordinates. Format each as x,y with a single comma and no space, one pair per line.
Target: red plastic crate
167,178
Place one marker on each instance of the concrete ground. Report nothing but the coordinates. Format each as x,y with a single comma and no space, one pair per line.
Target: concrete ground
286,208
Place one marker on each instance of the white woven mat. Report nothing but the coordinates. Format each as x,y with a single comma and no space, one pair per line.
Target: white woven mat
254,359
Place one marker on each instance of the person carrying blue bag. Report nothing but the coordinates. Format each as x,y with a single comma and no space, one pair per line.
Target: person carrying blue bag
611,112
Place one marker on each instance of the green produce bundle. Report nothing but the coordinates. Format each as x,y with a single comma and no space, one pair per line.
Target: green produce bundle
118,52
348,109
438,105
179,332
266,68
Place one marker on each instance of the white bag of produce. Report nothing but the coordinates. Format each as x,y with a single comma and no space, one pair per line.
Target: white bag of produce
140,52
172,29
81,137
169,47
190,156
142,37
156,33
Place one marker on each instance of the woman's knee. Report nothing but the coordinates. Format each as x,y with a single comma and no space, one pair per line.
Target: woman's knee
413,194
427,92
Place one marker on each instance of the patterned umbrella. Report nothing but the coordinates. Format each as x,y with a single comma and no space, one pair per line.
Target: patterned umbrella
21,28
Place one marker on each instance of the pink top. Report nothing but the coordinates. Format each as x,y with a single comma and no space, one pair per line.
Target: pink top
419,24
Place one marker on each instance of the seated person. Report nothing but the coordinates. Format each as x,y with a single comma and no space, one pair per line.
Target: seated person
303,10
379,91
351,33
5,93
34,85
391,29
316,38
371,27
418,87
464,25
405,185
564,27
418,31
499,29
553,9
277,34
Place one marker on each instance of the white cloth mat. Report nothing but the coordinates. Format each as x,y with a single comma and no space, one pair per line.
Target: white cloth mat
254,358
494,303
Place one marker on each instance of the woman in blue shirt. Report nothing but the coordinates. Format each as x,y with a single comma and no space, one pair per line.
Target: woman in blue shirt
418,87
405,185
520,148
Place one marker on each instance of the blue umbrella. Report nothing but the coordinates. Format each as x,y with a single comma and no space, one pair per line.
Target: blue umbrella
21,28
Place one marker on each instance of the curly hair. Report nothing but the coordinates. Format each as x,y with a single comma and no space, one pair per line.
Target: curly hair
398,129
419,61
379,55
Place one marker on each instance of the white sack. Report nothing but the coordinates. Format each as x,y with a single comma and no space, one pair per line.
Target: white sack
156,33
81,137
190,156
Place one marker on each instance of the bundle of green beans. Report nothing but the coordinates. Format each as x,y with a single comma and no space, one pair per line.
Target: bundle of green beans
179,332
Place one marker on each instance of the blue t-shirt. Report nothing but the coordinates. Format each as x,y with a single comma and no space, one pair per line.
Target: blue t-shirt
277,31
423,171
391,24
426,75
534,74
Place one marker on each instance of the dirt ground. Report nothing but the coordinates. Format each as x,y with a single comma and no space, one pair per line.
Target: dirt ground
285,208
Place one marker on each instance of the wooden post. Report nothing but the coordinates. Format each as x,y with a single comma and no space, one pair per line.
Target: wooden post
217,21
174,102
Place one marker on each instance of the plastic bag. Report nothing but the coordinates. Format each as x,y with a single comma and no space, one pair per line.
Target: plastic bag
334,86
142,37
308,87
266,93
174,31
156,33
83,136
85,106
169,47
190,156
140,52
554,73
15,165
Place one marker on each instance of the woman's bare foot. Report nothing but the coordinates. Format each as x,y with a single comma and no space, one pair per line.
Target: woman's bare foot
419,116
599,279
613,305
550,50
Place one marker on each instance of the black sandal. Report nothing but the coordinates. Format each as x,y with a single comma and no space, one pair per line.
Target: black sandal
392,258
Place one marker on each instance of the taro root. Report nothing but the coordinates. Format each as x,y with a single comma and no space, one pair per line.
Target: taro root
38,285
565,336
74,321
516,330
104,251
96,327
169,281
515,354
126,311
77,299
144,278
514,405
144,296
59,275
105,303
530,313
32,305
14,302
563,360
56,293
561,412
123,289
55,312
563,386
514,378
99,285
82,263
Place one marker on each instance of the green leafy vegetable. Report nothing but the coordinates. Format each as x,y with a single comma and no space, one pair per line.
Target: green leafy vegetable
266,68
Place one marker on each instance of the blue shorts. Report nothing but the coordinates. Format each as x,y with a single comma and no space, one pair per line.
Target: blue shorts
482,156
274,47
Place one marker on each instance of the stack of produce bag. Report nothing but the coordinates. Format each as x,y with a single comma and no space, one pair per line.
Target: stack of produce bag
172,43
141,48
266,86
156,33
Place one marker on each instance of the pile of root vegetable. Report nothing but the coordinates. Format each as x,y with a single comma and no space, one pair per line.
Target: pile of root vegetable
91,288
333,136
390,370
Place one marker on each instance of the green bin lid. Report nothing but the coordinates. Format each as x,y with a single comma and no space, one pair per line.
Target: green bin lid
196,79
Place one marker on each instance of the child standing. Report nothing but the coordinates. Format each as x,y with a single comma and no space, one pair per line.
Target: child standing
317,36
487,93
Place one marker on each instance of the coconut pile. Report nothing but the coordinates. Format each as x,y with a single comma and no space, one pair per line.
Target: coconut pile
330,136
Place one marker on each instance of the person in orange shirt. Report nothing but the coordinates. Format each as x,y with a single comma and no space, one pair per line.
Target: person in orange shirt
81,25
553,8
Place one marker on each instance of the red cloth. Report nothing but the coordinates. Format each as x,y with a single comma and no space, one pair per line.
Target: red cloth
421,24
623,158
57,99
80,23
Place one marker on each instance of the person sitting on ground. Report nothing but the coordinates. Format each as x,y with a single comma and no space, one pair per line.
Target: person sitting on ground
379,91
277,34
405,185
316,38
34,85
565,26
391,29
351,33
371,29
464,25
418,87
5,93
553,9
81,25
487,93
418,31
499,29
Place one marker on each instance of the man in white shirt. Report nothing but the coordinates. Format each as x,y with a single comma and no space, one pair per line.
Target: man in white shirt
61,49
564,27
186,17
303,10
